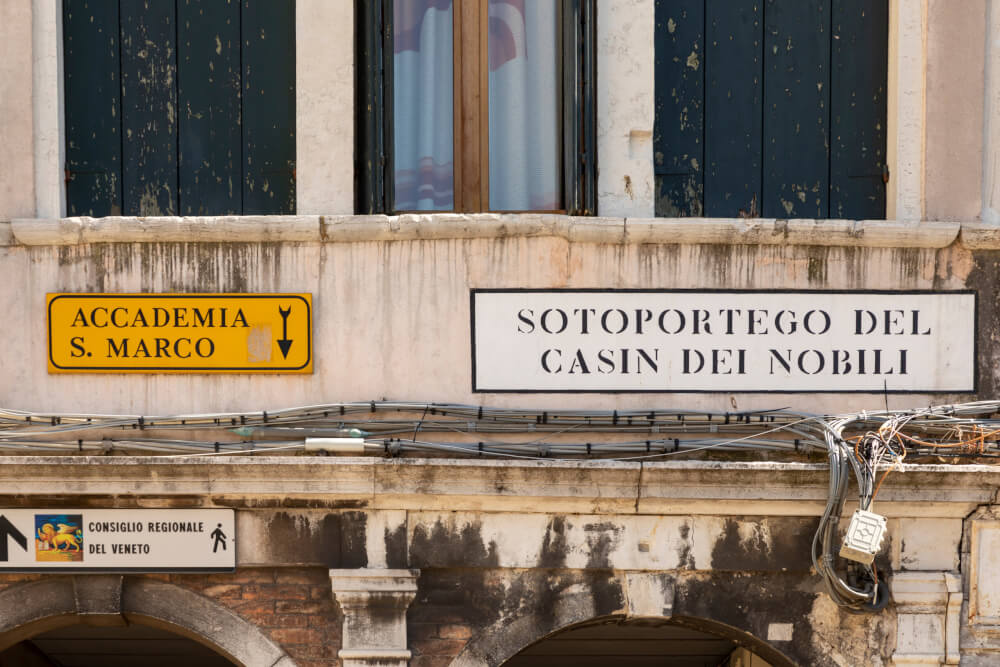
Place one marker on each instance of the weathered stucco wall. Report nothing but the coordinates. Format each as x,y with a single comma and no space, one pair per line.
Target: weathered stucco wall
954,131
17,190
392,316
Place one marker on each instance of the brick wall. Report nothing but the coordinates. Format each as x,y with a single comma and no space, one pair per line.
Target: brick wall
294,607
445,614
435,644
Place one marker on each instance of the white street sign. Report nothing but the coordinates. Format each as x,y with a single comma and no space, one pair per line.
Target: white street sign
526,340
118,540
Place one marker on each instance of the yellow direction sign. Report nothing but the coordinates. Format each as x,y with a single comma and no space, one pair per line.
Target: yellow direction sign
180,333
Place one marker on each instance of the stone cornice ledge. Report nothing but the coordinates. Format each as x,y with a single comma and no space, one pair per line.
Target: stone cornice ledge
685,231
532,486
980,237
445,226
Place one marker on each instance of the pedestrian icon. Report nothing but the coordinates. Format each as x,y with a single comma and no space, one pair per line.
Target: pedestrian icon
220,539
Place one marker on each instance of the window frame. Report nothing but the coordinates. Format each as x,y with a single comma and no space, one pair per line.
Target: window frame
374,166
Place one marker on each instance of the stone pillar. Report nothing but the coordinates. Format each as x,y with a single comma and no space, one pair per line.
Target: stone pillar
906,140
17,189
625,87
374,603
48,108
324,107
928,605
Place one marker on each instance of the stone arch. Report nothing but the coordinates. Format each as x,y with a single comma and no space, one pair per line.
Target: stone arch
571,602
56,601
642,597
740,637
475,656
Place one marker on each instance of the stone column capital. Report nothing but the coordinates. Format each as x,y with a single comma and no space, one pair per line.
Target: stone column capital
374,580
374,603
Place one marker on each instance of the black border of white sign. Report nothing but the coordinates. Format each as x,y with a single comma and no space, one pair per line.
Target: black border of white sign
731,341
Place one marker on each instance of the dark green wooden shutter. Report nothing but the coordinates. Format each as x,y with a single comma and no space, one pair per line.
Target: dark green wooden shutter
269,106
858,169
180,106
773,108
733,73
149,106
678,144
796,109
210,152
92,68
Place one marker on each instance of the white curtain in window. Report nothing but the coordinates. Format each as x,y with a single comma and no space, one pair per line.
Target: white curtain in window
422,105
524,105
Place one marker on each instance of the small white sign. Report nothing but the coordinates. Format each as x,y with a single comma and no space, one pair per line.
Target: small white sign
118,540
722,341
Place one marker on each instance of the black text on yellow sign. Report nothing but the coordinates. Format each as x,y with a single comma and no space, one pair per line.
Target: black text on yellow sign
180,333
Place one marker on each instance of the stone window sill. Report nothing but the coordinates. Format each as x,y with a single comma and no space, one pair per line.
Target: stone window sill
362,228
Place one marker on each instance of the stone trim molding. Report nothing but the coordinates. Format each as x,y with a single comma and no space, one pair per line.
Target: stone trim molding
450,226
374,603
928,608
980,556
32,608
677,487
983,535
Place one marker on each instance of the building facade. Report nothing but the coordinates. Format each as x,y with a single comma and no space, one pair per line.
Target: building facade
581,511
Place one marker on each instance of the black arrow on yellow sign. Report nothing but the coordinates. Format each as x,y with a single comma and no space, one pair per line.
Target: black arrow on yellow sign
283,342
9,529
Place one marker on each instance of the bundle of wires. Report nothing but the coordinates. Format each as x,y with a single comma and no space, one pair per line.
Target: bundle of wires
884,447
863,444
869,450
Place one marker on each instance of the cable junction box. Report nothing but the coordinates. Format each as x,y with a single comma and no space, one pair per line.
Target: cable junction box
864,537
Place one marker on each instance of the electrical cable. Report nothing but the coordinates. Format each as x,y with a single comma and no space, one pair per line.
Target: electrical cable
866,446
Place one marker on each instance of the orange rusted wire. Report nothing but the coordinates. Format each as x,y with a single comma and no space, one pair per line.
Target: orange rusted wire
980,441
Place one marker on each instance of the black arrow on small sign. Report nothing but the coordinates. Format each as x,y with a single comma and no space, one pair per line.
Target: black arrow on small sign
284,343
9,529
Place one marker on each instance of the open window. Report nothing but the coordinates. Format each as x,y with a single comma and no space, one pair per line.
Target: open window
476,105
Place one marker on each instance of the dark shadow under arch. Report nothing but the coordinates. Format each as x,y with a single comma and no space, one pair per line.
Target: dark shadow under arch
111,645
58,601
619,636
482,651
